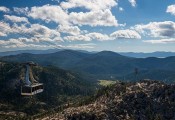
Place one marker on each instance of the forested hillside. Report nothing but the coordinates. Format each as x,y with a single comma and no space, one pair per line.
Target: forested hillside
60,87
104,65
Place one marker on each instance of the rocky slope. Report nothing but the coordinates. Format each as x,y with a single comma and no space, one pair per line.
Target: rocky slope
144,100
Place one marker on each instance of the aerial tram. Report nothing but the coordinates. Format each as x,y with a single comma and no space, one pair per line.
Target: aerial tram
30,86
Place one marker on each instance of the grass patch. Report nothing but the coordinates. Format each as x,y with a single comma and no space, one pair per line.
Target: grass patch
106,82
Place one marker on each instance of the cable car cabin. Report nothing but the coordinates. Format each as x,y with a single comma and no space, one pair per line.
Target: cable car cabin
32,89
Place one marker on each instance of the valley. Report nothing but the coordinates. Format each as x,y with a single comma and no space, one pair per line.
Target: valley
103,65
93,86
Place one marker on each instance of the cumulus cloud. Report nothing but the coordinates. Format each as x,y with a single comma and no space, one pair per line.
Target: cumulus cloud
22,43
99,14
49,13
98,36
88,37
21,10
16,43
157,29
133,2
125,34
73,30
161,41
89,4
2,34
77,38
16,18
120,34
171,9
10,42
28,43
42,31
4,9
53,13
56,1
36,32
94,18
5,28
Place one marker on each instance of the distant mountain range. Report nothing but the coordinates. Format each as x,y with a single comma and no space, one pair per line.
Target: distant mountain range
28,51
103,65
159,54
145,55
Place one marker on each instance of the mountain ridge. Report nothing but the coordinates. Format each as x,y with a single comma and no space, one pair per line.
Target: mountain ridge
105,64
146,99
159,54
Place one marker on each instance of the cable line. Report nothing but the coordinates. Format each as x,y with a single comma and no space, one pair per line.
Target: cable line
30,36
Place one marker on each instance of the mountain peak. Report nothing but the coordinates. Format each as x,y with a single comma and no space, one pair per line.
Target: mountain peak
109,53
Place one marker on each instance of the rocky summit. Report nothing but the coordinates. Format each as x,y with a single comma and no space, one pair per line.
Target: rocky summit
144,100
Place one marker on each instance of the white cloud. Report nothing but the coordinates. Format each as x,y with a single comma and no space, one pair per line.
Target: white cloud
53,13
120,34
98,36
99,14
36,32
73,30
28,43
88,37
4,9
42,31
77,38
157,29
125,34
171,9
94,5
94,18
56,1
11,43
2,34
21,43
49,13
133,2
21,10
36,36
4,28
16,18
161,41
121,9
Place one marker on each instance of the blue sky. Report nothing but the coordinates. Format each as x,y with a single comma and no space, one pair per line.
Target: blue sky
93,25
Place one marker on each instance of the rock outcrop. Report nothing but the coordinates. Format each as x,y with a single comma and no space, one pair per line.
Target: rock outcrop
144,100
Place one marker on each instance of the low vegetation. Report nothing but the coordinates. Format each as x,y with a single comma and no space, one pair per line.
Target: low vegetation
144,100
106,82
